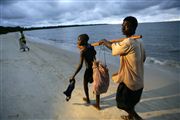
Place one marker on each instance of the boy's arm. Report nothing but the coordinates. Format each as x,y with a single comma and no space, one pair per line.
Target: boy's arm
79,66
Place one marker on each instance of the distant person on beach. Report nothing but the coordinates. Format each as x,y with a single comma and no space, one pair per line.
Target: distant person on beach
87,54
22,42
131,72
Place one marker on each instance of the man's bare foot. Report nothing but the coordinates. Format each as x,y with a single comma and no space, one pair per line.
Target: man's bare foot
127,117
133,114
97,106
86,100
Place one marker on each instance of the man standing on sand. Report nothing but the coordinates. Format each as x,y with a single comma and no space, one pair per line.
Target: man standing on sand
131,72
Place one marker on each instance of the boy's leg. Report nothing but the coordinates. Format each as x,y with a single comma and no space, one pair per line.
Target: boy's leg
97,105
86,91
27,48
24,49
98,100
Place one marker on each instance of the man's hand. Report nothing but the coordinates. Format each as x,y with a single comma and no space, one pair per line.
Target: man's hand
106,43
102,42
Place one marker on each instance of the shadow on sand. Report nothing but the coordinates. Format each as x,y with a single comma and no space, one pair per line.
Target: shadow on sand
157,104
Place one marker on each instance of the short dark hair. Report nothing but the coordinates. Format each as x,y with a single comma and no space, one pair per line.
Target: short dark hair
133,23
84,39
132,20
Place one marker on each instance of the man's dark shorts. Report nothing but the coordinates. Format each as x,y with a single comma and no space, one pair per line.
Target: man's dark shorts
127,99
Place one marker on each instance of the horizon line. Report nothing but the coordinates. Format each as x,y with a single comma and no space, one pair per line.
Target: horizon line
84,24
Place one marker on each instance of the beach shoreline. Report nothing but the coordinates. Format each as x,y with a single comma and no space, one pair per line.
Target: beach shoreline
32,85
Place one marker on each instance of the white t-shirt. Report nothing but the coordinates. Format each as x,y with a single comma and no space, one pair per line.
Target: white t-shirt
132,54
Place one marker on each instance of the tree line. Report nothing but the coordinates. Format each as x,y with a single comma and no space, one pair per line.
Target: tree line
4,30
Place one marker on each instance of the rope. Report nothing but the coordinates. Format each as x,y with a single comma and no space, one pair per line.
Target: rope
102,49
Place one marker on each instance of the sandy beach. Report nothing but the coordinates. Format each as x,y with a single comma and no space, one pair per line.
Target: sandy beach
32,85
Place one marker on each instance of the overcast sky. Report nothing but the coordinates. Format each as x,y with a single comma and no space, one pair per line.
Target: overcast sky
60,12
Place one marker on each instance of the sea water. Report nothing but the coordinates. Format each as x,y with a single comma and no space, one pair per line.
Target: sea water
161,40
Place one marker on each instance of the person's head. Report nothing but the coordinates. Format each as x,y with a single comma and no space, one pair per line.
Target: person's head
129,26
21,31
82,40
22,35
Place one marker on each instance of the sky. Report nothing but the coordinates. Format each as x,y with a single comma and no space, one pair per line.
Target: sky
33,13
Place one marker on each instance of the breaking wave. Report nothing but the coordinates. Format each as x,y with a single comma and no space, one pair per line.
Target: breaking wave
171,63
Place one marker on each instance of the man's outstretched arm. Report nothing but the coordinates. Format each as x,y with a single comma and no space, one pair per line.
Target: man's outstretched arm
106,43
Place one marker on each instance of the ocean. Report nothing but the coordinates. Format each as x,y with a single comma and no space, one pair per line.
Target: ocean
161,40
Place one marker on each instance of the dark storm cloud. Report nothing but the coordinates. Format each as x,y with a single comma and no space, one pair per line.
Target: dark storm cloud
7,2
170,4
45,12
